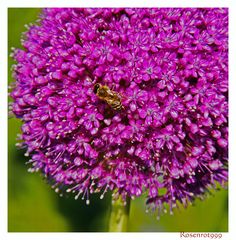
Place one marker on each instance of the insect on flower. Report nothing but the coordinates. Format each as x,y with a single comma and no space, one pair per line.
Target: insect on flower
112,98
161,127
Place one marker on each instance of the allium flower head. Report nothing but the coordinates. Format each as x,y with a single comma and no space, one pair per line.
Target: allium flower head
168,68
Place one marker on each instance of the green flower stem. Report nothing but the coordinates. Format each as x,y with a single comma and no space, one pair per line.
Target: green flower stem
119,215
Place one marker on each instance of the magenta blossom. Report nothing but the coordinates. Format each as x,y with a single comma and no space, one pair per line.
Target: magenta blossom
168,67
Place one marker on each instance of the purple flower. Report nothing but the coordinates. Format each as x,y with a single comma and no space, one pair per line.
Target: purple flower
90,120
136,97
169,70
167,138
168,79
173,106
149,69
151,114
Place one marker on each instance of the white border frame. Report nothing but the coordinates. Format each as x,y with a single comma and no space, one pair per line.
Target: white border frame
5,4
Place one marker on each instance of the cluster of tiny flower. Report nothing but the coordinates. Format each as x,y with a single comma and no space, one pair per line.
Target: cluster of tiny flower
170,69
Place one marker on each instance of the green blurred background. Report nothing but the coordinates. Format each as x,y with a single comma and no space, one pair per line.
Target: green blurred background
34,207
